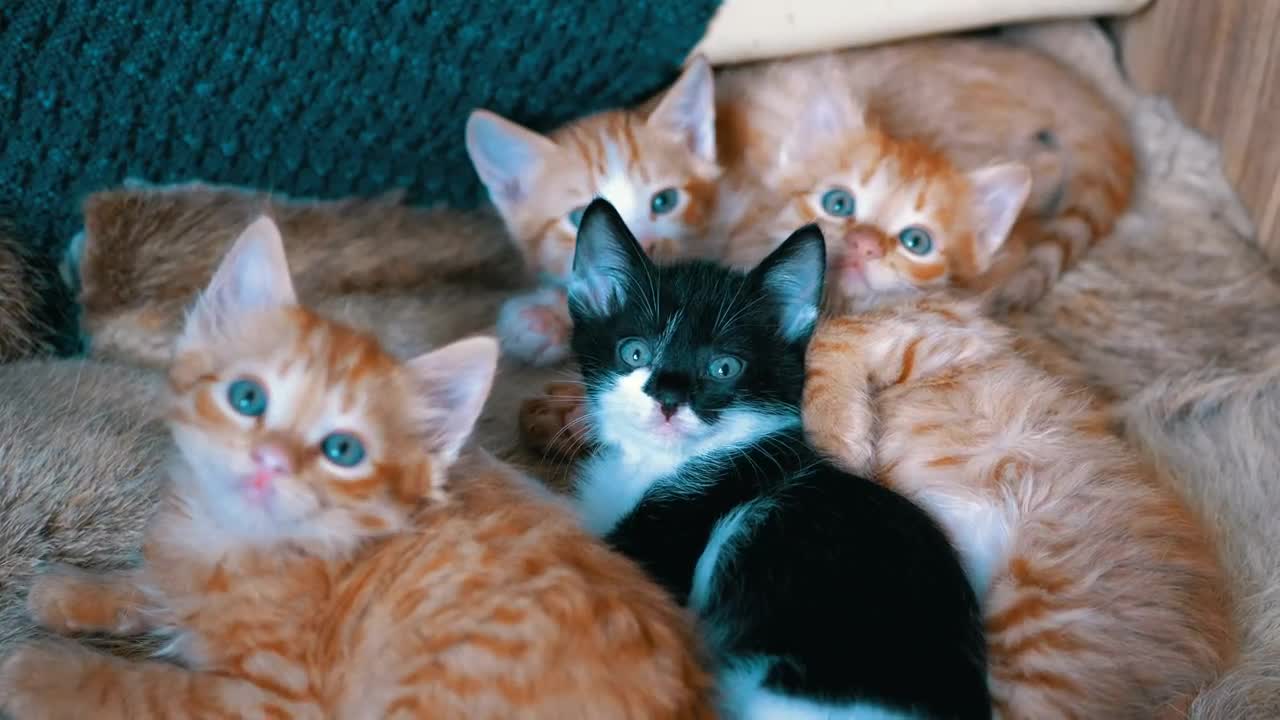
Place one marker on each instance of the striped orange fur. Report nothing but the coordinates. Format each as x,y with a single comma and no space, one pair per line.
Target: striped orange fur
1103,595
909,128
407,583
656,163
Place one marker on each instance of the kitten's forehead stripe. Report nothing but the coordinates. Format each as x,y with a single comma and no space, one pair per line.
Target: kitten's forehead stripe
633,149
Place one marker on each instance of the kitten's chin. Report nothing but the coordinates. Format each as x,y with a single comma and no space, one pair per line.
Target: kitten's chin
647,438
862,297
229,501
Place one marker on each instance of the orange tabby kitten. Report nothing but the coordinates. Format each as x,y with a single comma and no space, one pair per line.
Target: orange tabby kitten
1103,597
917,159
658,167
310,561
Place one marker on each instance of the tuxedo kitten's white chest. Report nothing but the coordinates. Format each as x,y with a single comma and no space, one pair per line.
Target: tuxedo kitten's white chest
613,482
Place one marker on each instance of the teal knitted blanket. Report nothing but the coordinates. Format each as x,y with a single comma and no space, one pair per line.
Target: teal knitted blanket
305,97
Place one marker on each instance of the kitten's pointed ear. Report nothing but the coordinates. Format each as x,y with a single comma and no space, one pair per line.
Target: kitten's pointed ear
688,109
506,156
824,121
999,192
793,274
253,277
453,385
606,261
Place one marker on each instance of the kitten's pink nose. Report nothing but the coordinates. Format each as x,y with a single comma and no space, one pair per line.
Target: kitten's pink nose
272,460
865,242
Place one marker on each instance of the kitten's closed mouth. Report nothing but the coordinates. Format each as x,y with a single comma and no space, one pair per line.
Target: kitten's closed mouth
668,429
853,275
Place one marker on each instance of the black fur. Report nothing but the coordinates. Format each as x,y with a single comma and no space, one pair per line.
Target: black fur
852,590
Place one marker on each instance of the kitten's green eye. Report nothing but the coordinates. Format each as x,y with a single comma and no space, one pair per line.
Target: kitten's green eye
725,367
664,201
342,449
635,352
575,215
916,240
838,202
247,398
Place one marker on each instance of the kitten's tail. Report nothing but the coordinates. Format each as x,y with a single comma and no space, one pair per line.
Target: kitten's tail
1217,439
1086,169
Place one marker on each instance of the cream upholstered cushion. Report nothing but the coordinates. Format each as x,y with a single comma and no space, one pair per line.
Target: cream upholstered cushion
759,29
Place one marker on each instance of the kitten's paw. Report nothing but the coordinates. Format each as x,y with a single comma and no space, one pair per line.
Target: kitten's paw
67,600
857,457
535,328
555,423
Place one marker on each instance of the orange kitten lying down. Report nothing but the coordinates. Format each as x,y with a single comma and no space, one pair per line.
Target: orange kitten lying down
310,560
1102,593
943,162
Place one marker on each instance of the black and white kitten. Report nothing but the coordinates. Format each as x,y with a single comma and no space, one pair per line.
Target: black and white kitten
823,594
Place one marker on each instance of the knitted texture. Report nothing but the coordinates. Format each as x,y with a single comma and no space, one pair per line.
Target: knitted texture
313,98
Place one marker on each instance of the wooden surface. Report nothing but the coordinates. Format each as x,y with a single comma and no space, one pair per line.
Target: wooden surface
1219,62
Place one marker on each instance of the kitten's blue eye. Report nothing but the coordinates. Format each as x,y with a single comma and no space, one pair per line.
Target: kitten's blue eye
664,201
916,240
634,352
575,215
342,449
725,367
838,202
247,398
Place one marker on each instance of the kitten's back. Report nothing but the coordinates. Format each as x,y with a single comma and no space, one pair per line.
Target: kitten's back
859,584
525,614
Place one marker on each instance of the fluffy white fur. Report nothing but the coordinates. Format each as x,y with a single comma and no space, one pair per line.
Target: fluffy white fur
729,532
744,698
981,531
634,456
1216,438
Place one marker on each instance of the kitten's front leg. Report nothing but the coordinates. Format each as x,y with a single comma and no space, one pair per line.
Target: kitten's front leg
60,680
69,600
836,406
535,327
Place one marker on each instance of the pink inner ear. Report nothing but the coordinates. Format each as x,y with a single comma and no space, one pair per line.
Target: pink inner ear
454,384
511,191
505,155
1000,192
687,110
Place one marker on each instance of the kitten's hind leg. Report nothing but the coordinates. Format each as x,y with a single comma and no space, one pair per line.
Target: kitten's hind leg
68,600
61,680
